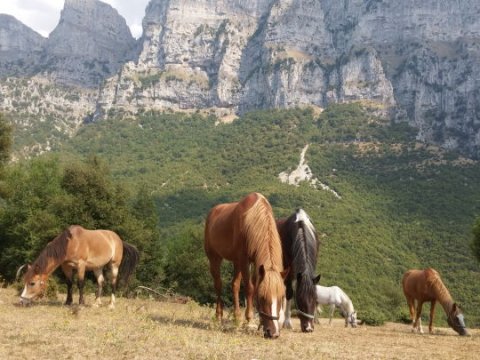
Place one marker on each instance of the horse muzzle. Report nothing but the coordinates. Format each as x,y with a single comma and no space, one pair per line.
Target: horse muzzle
25,301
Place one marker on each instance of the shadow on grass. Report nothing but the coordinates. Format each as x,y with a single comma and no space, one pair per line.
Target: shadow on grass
227,326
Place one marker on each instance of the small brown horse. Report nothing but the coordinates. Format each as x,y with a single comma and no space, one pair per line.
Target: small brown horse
245,232
83,250
426,285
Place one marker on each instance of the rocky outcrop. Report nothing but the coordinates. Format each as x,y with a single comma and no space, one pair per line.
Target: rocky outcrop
20,48
90,43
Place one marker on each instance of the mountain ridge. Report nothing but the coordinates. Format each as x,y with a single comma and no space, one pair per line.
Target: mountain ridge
417,62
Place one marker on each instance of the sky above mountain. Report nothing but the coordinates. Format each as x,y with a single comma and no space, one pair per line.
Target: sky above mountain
43,15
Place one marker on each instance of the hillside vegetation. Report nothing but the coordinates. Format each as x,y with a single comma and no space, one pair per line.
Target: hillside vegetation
403,204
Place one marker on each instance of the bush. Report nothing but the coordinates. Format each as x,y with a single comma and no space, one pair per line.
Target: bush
372,318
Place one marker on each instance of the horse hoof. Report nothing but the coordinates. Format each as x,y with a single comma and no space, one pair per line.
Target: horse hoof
287,325
111,306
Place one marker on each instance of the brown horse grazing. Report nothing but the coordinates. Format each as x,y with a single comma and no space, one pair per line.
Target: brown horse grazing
245,232
83,250
300,247
426,285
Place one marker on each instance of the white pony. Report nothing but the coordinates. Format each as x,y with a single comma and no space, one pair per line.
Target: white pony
336,297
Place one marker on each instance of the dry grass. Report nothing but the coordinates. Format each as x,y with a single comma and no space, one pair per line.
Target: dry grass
147,329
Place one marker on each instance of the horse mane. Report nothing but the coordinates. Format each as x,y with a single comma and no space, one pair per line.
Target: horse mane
304,246
263,241
55,249
304,250
436,284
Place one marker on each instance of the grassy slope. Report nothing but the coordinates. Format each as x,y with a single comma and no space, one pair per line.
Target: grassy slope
148,329
402,206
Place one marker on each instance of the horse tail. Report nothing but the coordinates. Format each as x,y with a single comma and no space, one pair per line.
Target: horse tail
130,260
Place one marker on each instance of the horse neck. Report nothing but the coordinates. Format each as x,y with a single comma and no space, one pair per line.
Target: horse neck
54,254
263,241
442,295
347,304
47,263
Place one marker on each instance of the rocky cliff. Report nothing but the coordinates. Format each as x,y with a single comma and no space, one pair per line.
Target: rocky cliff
418,61
20,47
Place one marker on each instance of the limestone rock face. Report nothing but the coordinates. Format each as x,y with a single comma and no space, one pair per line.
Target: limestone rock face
90,43
418,60
20,47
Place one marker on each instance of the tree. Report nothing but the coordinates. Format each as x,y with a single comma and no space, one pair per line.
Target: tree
44,198
5,140
476,239
5,145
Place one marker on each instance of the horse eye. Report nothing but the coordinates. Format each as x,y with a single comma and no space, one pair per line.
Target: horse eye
32,283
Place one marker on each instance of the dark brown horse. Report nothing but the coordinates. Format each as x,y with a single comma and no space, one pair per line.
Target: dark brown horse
300,247
426,285
245,232
83,250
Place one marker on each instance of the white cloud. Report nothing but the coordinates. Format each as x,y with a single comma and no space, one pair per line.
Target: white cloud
43,15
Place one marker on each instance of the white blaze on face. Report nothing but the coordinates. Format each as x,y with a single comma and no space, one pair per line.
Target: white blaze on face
24,293
275,313
281,317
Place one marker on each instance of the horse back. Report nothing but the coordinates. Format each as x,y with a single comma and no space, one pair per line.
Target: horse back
416,284
94,247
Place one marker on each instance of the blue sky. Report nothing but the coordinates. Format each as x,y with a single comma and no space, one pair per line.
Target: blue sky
43,15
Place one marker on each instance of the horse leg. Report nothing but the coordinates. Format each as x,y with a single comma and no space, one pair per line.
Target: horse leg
411,308
249,291
100,280
236,282
114,269
289,293
81,283
418,319
332,310
318,311
432,313
215,263
68,271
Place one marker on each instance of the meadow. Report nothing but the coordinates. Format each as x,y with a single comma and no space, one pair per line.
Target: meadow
151,329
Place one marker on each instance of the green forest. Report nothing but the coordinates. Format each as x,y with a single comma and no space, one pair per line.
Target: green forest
153,178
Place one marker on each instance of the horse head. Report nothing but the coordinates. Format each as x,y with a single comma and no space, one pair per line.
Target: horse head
456,320
352,319
306,300
270,297
35,284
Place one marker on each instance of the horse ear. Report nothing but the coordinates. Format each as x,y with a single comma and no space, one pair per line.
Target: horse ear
261,272
19,271
284,273
317,279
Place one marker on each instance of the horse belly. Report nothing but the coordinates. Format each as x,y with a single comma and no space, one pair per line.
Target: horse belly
222,240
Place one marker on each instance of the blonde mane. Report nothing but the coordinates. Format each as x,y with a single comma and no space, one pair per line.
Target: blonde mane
55,250
263,241
436,284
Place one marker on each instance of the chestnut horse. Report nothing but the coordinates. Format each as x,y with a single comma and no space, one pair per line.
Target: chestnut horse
426,285
83,250
245,232
300,247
